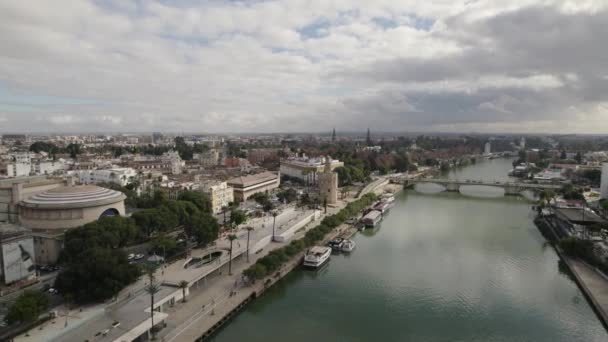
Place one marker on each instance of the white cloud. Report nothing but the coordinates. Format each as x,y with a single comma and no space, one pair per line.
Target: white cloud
288,65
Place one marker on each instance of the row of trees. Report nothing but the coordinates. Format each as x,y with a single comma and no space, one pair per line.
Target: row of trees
275,259
41,146
186,152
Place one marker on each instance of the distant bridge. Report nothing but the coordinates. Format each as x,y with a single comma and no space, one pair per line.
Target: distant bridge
511,188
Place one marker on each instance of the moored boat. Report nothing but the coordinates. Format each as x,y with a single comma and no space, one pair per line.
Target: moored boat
316,256
372,218
348,245
336,244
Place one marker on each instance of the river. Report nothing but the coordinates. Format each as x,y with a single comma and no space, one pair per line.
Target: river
441,267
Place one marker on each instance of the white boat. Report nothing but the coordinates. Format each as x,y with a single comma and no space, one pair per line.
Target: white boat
348,245
388,198
316,256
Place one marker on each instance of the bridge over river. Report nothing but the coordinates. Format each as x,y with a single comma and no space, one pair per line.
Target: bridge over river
511,188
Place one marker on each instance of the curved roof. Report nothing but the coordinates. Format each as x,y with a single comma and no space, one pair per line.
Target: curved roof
81,196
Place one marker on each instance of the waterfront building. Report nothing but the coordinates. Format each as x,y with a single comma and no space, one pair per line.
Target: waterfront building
604,181
328,184
220,194
487,149
16,254
307,169
246,186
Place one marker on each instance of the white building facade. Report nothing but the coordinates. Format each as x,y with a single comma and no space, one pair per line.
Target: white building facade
121,176
220,194
306,169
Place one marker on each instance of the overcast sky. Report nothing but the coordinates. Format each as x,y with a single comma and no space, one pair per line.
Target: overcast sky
304,65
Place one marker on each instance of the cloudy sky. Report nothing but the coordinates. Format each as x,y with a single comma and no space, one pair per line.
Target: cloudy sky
304,65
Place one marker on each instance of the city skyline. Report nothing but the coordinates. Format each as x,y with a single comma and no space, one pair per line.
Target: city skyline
517,66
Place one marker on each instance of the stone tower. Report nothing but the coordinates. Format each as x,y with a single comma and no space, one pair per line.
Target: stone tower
328,184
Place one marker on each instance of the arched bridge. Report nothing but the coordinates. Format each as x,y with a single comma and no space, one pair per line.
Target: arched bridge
511,188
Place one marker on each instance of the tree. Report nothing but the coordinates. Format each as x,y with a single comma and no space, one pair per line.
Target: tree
183,285
28,307
203,227
152,289
159,219
563,155
73,150
224,211
249,229
201,200
288,195
274,221
231,237
42,146
166,245
96,274
579,158
237,217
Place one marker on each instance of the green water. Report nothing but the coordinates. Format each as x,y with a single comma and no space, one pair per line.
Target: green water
441,267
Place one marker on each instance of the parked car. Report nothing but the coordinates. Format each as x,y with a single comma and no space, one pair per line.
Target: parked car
130,256
139,256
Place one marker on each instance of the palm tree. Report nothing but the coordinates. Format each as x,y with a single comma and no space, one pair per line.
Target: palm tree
274,220
231,237
152,289
183,285
249,229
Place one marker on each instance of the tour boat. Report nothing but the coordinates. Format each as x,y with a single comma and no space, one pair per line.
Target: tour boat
372,218
336,244
316,256
348,245
382,206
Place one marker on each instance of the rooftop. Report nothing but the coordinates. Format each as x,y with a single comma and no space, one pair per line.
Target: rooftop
578,215
74,197
129,315
249,180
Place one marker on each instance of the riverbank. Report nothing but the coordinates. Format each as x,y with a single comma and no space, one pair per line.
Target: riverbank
593,285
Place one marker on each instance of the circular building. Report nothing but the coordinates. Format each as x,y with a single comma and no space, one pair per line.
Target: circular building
70,206
50,213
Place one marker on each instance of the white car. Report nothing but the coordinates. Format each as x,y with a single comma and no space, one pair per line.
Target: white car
131,256
139,256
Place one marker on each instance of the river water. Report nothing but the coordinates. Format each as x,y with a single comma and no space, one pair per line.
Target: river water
440,267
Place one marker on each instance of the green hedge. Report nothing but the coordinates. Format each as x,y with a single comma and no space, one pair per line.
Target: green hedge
273,261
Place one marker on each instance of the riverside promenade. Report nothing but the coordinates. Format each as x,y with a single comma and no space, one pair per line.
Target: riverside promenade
223,294
593,285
